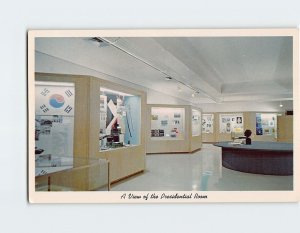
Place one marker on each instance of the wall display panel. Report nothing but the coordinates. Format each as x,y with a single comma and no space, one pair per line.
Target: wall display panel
266,124
54,126
207,123
231,123
120,119
196,122
167,123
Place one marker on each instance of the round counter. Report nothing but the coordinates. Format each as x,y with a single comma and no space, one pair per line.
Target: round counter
268,158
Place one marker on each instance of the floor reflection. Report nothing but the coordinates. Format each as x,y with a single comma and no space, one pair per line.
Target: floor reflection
199,171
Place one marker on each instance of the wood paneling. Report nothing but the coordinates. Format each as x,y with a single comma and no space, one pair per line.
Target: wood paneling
285,128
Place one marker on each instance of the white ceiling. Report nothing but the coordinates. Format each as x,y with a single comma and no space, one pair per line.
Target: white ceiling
231,69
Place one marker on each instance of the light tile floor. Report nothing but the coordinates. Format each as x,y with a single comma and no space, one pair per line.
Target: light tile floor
199,171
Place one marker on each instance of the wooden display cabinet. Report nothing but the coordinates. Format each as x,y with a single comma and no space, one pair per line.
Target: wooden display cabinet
124,161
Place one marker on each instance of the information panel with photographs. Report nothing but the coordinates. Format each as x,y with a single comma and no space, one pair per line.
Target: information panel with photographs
54,126
231,123
207,123
167,123
196,122
266,124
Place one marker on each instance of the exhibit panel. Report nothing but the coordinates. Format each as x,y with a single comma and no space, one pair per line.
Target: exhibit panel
229,123
196,122
54,127
196,139
208,124
167,123
171,127
264,126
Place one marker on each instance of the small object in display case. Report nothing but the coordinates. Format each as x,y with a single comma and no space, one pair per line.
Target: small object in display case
176,122
161,133
177,115
157,133
152,133
154,117
174,133
117,144
164,122
38,151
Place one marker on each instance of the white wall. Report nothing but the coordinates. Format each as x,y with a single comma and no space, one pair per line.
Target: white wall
248,107
49,64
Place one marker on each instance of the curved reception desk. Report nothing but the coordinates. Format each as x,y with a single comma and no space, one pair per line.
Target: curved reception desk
268,158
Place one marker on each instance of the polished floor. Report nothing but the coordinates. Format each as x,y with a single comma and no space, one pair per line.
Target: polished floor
199,171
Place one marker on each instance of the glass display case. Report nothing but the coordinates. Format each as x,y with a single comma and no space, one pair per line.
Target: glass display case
207,123
167,123
120,119
54,123
266,124
196,122
71,174
231,123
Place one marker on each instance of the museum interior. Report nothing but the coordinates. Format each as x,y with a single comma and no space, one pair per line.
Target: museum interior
163,113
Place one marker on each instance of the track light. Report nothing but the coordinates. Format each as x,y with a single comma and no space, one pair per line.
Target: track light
99,42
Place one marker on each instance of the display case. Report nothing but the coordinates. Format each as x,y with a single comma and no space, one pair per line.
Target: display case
120,119
98,120
60,174
208,123
173,128
167,123
229,123
266,124
196,122
54,119
208,127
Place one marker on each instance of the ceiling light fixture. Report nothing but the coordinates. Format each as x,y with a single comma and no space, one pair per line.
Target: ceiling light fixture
280,105
168,78
99,42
